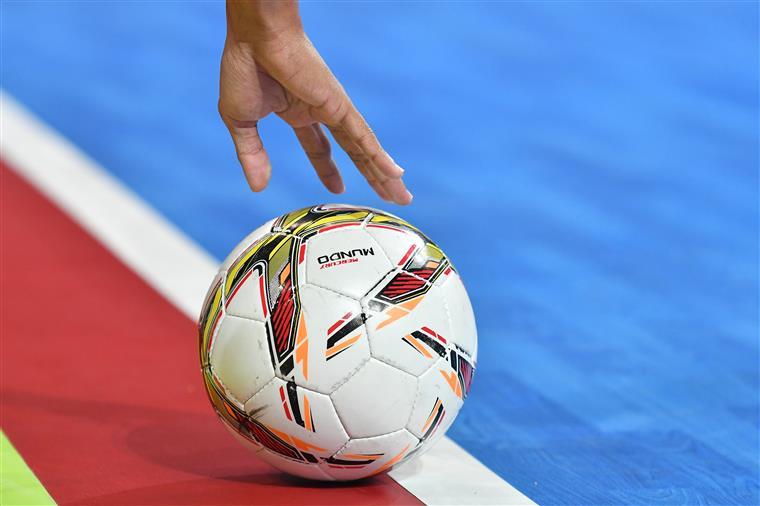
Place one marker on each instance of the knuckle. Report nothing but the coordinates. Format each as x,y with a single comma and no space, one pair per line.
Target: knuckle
250,149
366,137
341,110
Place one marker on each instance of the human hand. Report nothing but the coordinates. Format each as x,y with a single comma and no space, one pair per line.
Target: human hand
270,66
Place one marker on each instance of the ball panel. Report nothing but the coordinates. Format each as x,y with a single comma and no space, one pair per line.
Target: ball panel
240,358
211,314
248,298
304,420
269,271
383,218
308,220
249,444
306,470
409,333
346,260
250,239
410,250
273,256
230,412
438,403
398,243
360,458
463,330
376,400
335,342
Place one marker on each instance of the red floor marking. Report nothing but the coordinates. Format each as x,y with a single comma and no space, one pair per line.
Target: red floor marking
101,390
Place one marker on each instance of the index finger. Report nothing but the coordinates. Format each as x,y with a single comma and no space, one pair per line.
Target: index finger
378,180
357,129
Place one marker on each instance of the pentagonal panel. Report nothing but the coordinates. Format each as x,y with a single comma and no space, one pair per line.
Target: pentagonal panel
398,243
300,424
245,243
331,342
346,260
376,400
364,457
240,357
408,332
463,330
437,404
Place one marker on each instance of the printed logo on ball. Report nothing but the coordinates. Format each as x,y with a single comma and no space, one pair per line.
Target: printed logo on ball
344,257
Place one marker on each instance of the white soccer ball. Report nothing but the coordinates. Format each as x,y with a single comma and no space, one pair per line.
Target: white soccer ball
337,342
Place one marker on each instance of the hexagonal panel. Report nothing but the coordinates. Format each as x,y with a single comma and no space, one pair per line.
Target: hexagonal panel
463,330
333,342
346,260
302,424
437,403
376,400
409,333
240,357
364,457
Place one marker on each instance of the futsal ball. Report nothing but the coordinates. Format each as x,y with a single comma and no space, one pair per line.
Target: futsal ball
337,342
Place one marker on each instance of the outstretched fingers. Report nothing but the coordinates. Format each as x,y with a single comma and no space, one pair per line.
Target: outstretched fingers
383,178
292,61
361,134
357,138
316,145
360,161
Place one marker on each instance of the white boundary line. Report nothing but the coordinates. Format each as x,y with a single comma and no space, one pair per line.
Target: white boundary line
180,270
148,243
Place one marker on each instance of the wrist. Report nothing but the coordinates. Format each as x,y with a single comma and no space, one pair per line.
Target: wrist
254,23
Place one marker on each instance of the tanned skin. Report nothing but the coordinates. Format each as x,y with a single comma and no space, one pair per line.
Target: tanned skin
269,65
